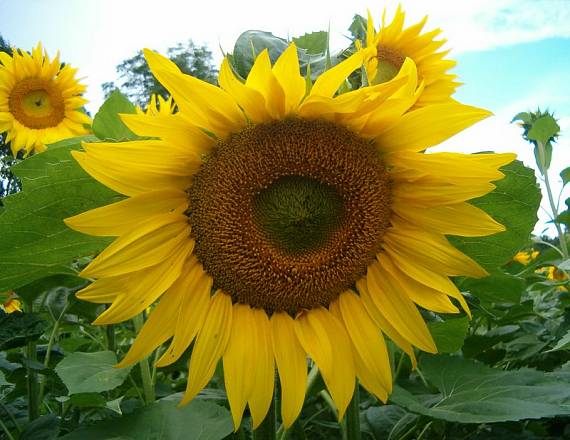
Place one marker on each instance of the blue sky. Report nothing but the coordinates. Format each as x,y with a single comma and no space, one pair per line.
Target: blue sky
513,55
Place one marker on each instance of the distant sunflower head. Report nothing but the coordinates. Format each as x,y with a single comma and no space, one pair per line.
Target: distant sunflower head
273,222
40,101
392,44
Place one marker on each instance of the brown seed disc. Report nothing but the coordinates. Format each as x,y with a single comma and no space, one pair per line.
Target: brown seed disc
37,103
392,56
326,184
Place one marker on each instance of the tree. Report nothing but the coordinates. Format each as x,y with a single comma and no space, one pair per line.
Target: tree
138,83
8,182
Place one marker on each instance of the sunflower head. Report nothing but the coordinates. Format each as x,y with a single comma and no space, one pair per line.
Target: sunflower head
392,44
272,222
40,100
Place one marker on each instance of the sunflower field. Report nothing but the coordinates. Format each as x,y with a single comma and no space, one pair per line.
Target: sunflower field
271,249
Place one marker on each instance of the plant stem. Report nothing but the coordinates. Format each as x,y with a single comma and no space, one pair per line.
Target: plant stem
110,332
266,430
5,429
352,416
148,389
544,171
32,379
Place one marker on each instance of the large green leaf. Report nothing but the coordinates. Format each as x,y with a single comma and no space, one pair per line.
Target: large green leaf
315,43
43,428
91,372
162,420
107,124
514,203
35,241
498,287
449,334
470,392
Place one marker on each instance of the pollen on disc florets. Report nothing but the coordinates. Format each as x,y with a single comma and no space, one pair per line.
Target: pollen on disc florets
287,215
37,103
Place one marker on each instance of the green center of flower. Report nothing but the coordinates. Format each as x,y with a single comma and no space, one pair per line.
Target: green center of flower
298,214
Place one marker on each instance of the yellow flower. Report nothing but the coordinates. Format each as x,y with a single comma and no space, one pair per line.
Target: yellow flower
40,101
313,216
552,273
159,106
392,44
525,257
12,304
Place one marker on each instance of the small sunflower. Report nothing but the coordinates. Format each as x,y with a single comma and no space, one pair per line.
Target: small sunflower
526,257
392,44
11,304
40,100
313,217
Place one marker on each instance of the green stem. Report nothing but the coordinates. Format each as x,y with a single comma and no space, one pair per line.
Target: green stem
32,378
110,332
5,429
544,171
352,416
266,430
146,377
49,347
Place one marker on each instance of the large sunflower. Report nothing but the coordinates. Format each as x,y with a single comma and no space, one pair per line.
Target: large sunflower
314,218
392,44
40,101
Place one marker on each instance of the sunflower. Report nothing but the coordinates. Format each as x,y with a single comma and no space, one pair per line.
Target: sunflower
313,217
40,101
526,257
10,304
392,44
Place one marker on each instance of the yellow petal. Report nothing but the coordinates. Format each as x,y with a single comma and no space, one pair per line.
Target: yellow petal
382,321
429,126
121,217
324,338
104,290
375,372
210,345
426,297
262,392
145,246
131,181
238,360
250,100
193,287
431,250
144,287
287,72
202,103
262,79
398,308
329,82
461,219
156,330
291,364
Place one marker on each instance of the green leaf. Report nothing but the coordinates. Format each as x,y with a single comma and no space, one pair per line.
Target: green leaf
91,372
562,344
449,335
523,117
470,392
17,329
35,241
199,420
565,176
544,129
358,28
3,380
107,124
250,44
498,287
514,203
44,428
314,43
388,421
547,156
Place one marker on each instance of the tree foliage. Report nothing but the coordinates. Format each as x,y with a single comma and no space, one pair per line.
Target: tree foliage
138,84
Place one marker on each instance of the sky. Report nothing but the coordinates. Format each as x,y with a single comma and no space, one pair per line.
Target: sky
513,55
